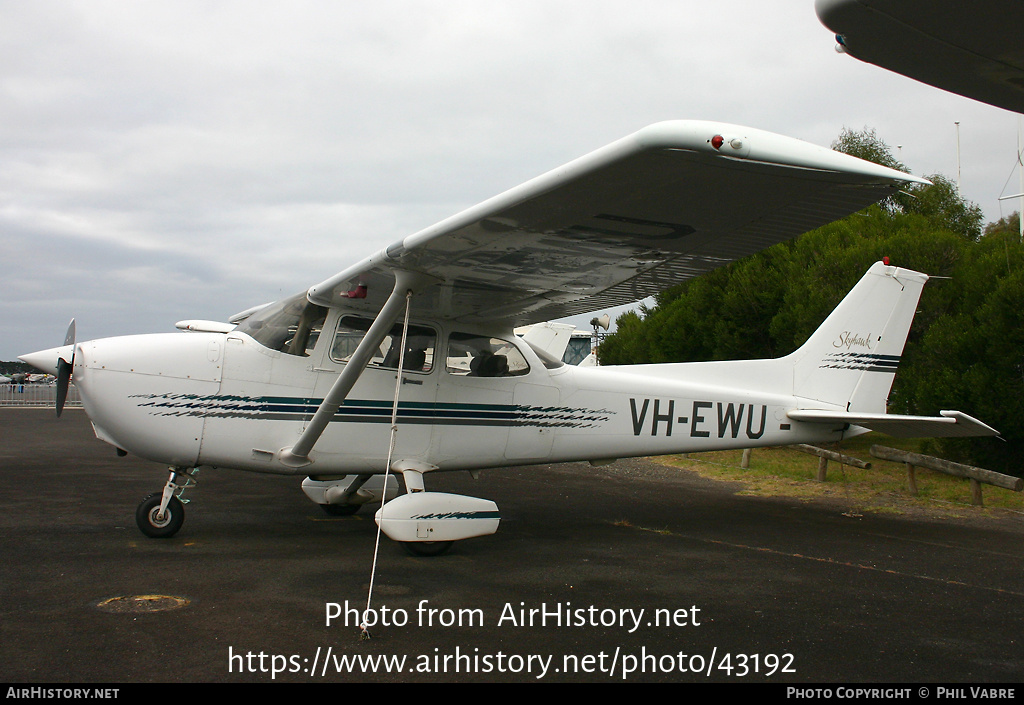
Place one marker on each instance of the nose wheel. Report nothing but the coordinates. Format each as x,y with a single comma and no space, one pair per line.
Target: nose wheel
426,549
161,514
157,525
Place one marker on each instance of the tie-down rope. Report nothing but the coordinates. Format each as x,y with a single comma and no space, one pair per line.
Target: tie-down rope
364,632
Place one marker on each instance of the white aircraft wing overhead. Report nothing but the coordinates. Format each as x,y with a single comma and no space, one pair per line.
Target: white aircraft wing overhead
670,202
973,49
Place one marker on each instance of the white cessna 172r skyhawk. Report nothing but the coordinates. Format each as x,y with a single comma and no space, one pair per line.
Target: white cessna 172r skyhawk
314,385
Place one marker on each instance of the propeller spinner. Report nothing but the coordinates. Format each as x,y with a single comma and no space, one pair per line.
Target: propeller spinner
59,361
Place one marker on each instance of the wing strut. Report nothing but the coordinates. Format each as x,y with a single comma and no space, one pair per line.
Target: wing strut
298,455
363,626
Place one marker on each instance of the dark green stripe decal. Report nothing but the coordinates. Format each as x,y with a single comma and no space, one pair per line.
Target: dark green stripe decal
371,411
460,515
861,361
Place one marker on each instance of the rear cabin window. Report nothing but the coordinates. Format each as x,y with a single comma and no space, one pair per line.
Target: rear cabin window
481,356
419,345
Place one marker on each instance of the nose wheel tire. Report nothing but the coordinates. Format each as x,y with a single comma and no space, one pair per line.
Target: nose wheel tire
427,548
155,526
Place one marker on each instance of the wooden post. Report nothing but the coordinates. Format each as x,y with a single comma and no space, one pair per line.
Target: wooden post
1008,482
911,480
977,476
745,462
822,467
976,493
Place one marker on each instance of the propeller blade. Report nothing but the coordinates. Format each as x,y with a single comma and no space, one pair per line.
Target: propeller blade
63,379
64,368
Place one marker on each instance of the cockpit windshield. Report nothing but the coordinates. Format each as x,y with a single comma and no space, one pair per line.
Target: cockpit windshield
291,325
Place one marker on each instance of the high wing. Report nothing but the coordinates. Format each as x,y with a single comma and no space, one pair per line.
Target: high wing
973,49
670,202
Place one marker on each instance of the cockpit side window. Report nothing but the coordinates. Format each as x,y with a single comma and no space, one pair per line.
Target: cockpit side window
419,345
290,326
482,356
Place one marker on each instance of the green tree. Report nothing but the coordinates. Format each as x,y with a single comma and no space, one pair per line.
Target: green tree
867,145
941,201
972,357
1007,224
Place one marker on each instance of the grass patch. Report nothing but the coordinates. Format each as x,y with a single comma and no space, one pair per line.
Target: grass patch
786,472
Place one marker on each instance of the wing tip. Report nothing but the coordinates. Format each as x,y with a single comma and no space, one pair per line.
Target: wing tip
732,141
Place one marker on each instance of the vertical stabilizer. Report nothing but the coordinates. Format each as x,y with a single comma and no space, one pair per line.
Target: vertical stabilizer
851,360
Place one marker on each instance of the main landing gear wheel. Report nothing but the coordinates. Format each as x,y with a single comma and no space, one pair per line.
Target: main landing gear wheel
154,526
427,548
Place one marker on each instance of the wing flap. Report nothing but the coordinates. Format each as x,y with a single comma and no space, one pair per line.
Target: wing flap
948,424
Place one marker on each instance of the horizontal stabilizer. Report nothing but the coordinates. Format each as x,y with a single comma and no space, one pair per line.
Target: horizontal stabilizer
948,424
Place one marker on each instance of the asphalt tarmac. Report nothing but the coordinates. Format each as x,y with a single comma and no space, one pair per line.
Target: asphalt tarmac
632,572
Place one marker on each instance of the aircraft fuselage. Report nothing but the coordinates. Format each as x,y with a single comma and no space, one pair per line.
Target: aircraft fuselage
225,400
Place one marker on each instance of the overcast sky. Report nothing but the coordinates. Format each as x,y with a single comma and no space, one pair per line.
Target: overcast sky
171,160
